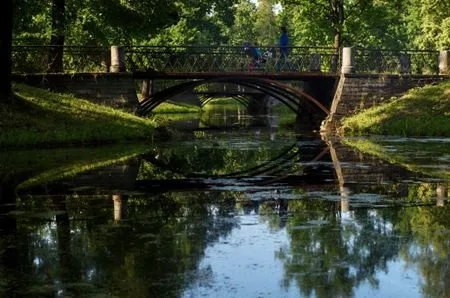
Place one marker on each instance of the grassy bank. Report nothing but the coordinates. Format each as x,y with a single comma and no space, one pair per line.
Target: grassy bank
170,107
421,112
42,118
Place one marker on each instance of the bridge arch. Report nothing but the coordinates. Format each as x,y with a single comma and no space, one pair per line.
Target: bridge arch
286,94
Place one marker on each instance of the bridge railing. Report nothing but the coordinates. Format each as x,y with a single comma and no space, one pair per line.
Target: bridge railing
395,61
37,59
228,59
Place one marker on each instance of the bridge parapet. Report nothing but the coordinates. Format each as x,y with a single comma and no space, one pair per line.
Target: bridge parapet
174,59
229,59
221,59
375,61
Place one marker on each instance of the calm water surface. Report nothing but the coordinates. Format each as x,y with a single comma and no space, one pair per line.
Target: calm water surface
240,210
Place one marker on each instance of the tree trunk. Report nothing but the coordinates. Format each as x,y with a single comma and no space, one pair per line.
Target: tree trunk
337,39
146,90
337,46
5,51
55,55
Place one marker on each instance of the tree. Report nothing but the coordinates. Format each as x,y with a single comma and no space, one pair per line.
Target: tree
201,22
434,24
364,23
58,32
334,12
265,25
5,50
94,22
242,29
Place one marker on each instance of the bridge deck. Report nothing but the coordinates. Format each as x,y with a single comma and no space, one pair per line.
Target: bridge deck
207,75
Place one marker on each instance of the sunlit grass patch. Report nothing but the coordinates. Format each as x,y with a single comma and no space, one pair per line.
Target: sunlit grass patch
176,107
40,117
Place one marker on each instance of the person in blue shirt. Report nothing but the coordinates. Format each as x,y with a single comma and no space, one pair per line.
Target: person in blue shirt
283,42
283,47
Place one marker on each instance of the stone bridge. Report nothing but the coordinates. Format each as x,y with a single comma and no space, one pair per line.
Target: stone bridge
342,80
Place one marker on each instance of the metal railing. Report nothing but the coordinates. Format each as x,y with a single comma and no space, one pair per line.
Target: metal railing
396,61
37,59
228,59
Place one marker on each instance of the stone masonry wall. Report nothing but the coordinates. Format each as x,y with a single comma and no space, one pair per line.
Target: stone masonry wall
114,89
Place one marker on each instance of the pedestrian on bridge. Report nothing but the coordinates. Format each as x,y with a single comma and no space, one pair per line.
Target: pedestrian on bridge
283,42
283,46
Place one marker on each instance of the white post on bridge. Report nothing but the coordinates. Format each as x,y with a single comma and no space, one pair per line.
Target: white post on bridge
117,59
347,60
444,62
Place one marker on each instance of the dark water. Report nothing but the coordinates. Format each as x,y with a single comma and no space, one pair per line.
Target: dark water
229,209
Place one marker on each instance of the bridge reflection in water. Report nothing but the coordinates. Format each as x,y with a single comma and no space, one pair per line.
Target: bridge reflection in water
165,220
307,164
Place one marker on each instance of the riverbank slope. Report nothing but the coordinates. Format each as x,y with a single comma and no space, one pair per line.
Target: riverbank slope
39,118
420,112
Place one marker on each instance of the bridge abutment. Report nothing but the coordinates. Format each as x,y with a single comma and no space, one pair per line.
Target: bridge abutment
358,91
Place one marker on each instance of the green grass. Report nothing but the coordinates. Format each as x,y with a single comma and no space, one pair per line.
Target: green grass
421,112
42,118
172,107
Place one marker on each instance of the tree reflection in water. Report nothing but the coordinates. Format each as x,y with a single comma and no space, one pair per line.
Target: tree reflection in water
341,237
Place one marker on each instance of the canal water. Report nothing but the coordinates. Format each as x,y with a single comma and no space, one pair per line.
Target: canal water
228,206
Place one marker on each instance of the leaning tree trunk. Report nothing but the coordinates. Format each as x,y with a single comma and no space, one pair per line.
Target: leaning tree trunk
5,51
55,54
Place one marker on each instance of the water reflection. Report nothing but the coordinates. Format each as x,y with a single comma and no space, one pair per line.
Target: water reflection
191,244
227,213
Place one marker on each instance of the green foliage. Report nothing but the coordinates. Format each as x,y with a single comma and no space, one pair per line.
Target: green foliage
243,26
265,25
94,22
201,22
31,21
379,25
307,27
175,107
365,23
434,24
